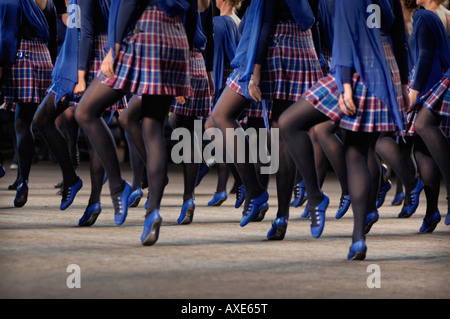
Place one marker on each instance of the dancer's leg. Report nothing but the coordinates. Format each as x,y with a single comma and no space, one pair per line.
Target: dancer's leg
294,124
97,98
224,116
154,111
427,126
360,182
45,121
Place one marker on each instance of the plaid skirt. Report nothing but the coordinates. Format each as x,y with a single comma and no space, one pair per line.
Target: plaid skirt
291,68
372,115
199,104
97,56
154,58
437,100
28,79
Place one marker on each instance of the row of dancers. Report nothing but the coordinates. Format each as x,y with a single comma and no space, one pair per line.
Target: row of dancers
346,83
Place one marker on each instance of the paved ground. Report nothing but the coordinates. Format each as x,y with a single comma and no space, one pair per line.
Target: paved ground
213,257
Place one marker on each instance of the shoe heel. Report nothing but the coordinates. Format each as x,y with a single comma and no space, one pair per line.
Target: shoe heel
152,225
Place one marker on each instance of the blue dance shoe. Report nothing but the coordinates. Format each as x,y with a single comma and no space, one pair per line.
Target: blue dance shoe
218,199
21,194
371,219
318,217
305,213
299,194
358,250
2,171
152,225
447,219
135,197
254,208
344,205
90,215
120,204
69,193
278,229
411,201
430,222
240,196
187,212
262,212
398,199
382,193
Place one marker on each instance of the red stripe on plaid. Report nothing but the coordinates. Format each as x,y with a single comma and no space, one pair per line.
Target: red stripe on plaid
199,104
28,79
438,99
154,60
372,115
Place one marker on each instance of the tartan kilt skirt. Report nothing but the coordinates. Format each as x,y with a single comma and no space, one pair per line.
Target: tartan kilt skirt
97,56
437,100
372,115
153,58
28,79
291,68
199,103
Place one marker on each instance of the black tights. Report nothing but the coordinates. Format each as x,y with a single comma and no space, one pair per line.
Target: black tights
429,174
130,120
399,158
427,126
144,124
333,148
25,139
363,185
45,121
285,176
295,124
97,174
225,115
190,168
97,98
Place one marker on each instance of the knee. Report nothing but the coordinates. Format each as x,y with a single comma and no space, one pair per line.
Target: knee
39,121
81,116
285,125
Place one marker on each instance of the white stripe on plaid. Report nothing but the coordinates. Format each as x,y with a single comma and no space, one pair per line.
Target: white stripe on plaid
372,115
199,104
28,79
153,60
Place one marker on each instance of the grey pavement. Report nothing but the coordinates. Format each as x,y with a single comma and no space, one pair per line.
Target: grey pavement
212,258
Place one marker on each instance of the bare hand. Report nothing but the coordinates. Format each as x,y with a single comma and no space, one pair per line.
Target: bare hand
346,101
107,66
180,99
80,87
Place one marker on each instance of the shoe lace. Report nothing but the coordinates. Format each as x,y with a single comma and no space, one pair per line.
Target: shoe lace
342,201
296,191
248,206
117,205
239,192
66,193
